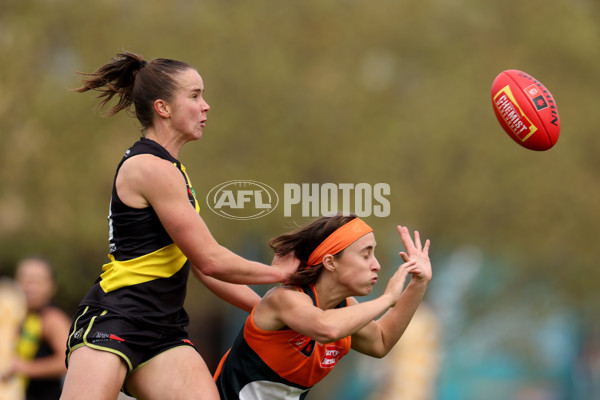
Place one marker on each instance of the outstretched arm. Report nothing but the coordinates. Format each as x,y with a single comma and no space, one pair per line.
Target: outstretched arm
240,296
378,337
288,307
145,180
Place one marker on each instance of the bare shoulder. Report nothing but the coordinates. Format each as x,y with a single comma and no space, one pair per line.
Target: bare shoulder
55,323
146,176
54,315
281,294
275,304
142,166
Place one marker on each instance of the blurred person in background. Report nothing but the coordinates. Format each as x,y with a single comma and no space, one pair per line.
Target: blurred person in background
41,343
299,331
130,330
411,369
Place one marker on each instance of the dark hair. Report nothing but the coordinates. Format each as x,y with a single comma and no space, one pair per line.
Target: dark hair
42,260
135,82
303,241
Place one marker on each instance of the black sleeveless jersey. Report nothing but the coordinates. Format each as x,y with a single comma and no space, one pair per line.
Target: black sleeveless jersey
146,277
33,346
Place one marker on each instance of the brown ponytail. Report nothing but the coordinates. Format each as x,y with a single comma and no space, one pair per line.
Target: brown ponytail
136,82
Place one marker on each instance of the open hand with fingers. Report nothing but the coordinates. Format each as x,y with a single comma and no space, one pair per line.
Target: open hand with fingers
417,252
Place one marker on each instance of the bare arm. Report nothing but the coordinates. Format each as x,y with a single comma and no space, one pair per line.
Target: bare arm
378,337
287,307
147,180
240,296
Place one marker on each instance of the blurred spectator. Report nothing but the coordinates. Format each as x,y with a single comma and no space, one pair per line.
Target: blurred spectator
42,342
12,314
413,364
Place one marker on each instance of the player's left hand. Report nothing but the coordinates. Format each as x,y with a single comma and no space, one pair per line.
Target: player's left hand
417,252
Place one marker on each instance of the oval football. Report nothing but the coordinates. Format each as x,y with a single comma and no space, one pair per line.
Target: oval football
526,110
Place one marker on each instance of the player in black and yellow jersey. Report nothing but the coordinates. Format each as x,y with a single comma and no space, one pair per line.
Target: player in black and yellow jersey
134,312
41,342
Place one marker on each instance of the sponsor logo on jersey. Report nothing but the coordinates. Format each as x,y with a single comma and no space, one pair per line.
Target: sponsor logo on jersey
332,355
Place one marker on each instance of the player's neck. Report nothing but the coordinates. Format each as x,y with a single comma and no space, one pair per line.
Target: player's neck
169,142
329,293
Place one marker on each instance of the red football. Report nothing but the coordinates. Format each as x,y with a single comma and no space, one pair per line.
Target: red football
526,110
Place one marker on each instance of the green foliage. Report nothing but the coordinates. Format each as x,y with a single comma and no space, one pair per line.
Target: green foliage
313,91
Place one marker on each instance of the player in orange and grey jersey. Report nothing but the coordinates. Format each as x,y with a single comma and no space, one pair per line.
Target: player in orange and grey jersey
299,331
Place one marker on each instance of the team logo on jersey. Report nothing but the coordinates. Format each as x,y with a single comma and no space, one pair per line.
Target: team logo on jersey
303,344
332,355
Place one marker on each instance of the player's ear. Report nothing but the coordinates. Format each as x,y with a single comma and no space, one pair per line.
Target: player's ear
328,263
161,108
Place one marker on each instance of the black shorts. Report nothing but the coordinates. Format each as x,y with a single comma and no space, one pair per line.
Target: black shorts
108,331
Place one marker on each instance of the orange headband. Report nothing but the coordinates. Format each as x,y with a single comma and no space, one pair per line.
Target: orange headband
341,238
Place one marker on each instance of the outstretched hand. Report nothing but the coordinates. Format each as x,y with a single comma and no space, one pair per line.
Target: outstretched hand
287,264
417,252
395,285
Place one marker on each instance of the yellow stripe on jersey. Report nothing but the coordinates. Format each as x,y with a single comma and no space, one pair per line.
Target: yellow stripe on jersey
29,341
31,337
162,263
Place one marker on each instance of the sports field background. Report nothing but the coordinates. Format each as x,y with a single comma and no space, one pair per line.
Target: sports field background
333,92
